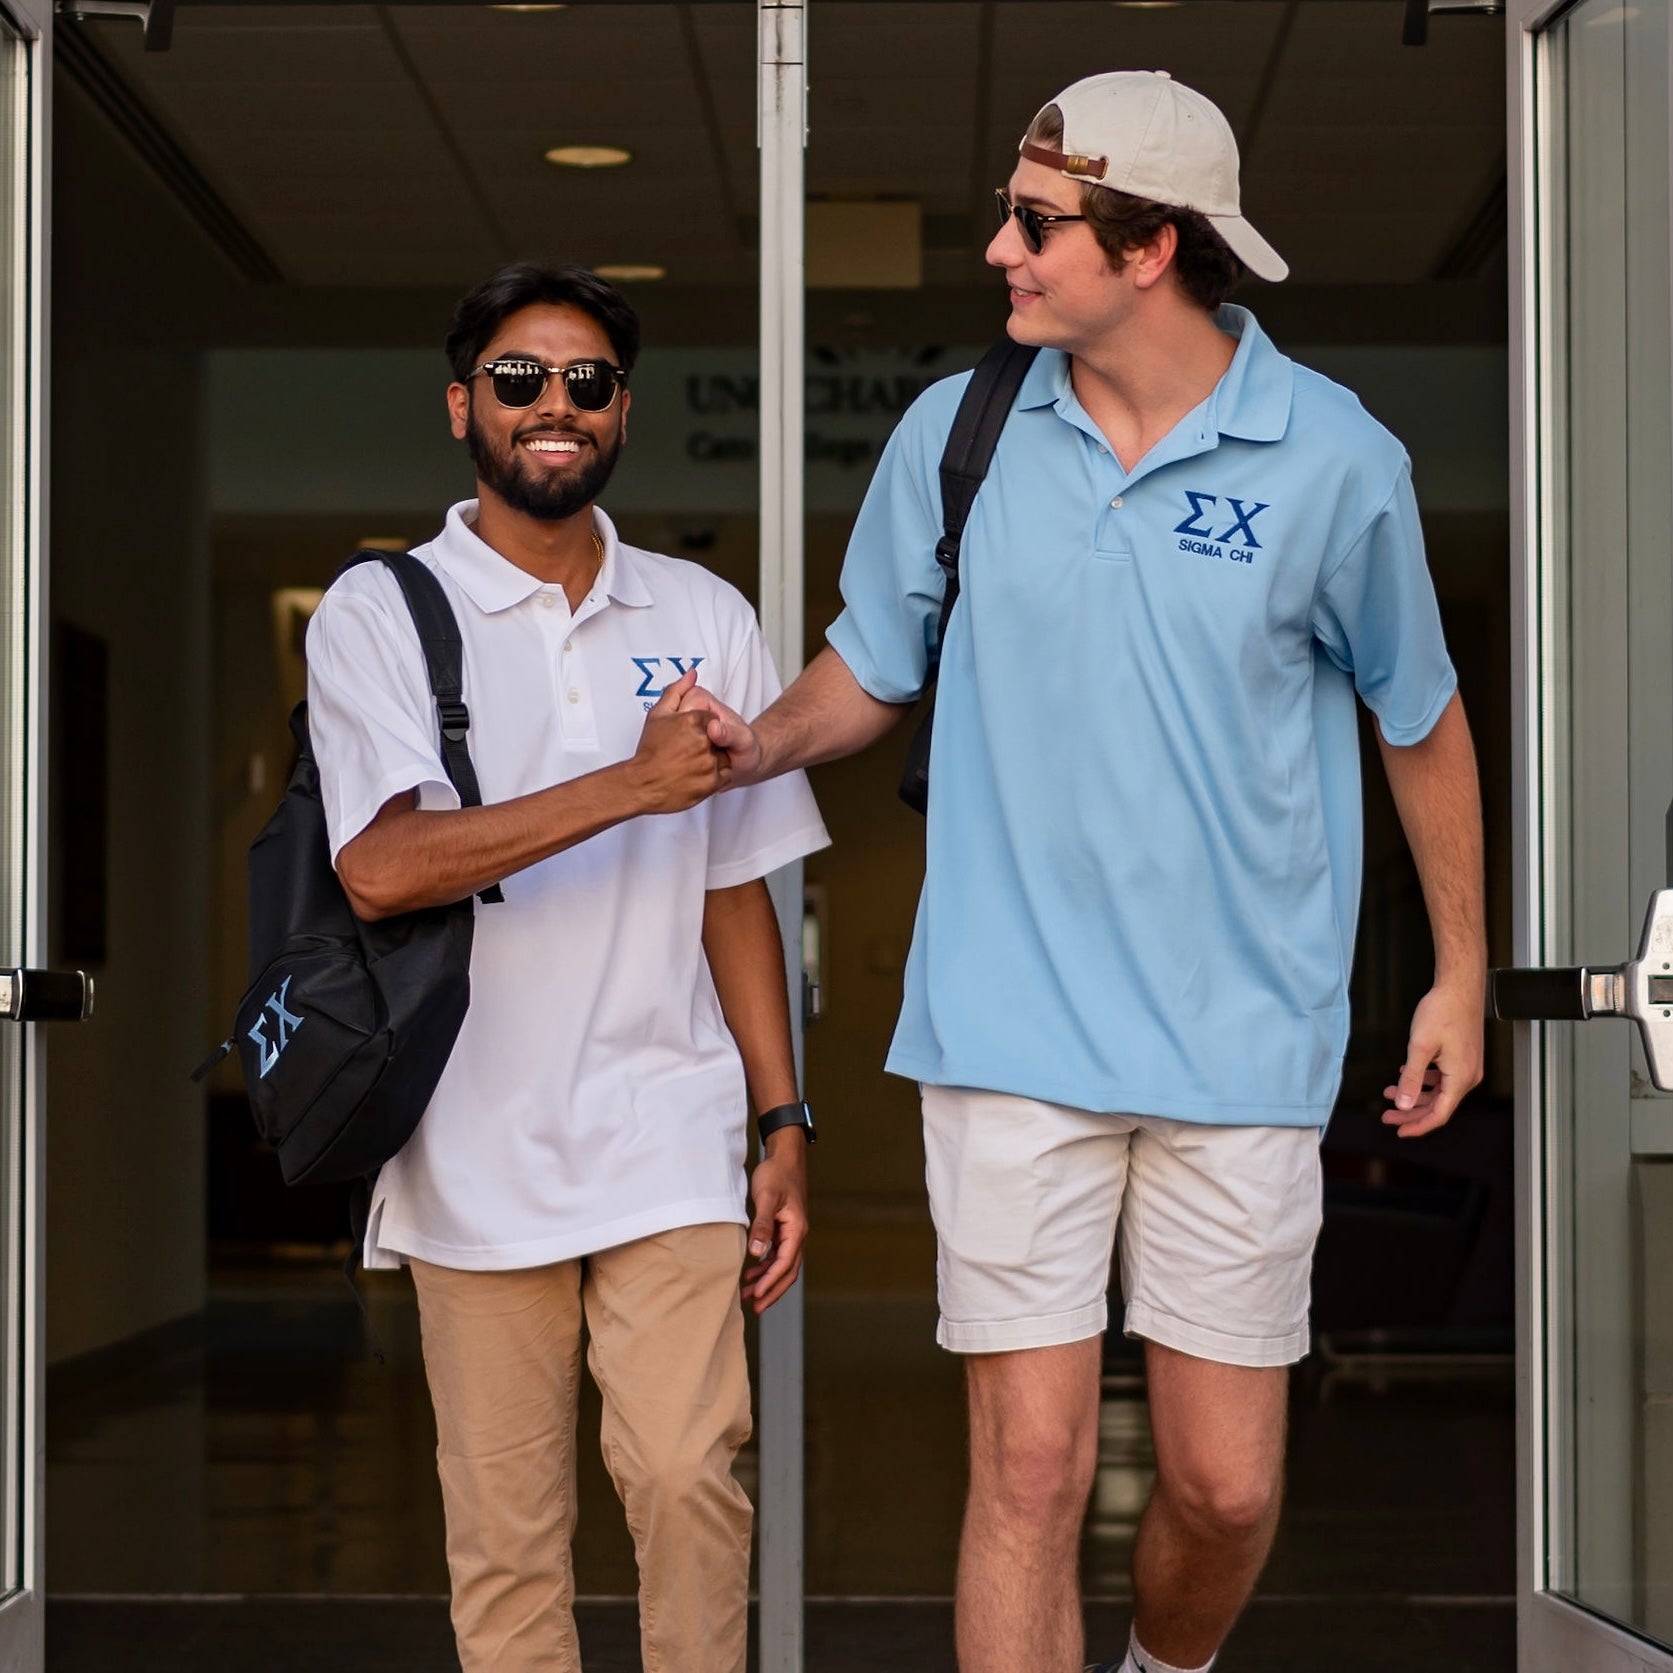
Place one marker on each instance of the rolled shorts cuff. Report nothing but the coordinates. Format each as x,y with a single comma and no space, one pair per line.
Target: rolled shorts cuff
999,1336
1253,1351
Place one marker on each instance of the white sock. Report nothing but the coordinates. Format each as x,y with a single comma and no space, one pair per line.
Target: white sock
1140,1660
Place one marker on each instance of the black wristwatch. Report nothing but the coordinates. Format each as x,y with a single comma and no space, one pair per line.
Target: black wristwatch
786,1115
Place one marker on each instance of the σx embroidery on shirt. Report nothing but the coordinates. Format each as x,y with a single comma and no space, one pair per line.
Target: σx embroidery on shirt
1237,542
652,669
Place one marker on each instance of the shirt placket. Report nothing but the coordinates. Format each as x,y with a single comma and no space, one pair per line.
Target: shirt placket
1195,434
1111,536
572,688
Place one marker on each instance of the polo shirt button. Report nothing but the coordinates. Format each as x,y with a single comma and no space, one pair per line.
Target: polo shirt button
546,600
568,647
1115,504
575,697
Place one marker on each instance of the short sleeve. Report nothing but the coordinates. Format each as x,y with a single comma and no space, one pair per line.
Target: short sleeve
1375,615
371,717
891,582
758,829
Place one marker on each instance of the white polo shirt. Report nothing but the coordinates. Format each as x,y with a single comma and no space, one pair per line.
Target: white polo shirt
595,1095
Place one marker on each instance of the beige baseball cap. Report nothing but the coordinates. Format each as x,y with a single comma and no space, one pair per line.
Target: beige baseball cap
1142,132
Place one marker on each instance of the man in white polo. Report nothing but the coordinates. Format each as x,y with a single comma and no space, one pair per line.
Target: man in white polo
583,1160
1127,994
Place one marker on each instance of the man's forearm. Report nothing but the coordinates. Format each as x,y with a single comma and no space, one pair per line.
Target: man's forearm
1438,795
407,859
825,715
746,959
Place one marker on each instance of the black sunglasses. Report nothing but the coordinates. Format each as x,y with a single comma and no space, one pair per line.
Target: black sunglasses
1032,222
591,385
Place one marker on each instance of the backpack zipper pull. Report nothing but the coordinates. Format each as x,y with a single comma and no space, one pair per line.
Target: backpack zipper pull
216,1056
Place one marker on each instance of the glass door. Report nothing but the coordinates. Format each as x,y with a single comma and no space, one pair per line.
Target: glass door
356,168
1589,138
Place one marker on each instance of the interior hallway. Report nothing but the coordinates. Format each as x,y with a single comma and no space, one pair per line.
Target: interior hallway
268,1469
256,1454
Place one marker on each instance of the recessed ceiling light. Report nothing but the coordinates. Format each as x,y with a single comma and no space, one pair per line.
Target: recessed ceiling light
1147,5
545,8
628,270
588,156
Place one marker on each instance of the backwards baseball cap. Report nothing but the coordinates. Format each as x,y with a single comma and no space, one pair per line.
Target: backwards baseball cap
1141,132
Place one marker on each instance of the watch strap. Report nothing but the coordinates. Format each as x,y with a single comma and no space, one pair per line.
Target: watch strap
786,1115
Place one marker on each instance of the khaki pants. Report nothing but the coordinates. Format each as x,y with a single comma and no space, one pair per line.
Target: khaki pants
502,1351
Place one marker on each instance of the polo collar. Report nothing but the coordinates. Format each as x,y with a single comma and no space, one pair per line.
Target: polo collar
1046,382
493,583
622,576
1250,402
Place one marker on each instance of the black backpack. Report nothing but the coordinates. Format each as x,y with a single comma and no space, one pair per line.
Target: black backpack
982,411
346,1026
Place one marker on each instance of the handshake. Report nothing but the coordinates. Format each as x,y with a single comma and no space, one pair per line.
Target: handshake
691,747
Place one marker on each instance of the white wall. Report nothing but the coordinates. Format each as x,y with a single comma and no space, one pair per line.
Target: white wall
124,1127
129,556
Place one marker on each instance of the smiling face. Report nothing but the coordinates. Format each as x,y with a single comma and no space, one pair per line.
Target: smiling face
1068,296
549,461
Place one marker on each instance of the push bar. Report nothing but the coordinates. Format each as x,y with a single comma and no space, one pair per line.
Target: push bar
45,996
1641,991
1554,995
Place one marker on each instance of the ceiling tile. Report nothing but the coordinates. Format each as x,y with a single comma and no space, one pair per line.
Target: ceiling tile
405,144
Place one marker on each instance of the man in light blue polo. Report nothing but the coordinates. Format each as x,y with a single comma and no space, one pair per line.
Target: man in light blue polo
1127,994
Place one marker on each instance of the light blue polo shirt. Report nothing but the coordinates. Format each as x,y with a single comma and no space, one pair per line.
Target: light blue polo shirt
1144,824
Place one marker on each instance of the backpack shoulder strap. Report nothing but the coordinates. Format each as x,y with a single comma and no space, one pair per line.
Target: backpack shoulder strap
444,662
982,412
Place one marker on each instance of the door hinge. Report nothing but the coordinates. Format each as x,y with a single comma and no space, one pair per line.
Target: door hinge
155,17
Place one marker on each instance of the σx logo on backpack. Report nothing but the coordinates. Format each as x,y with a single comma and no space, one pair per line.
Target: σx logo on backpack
288,1023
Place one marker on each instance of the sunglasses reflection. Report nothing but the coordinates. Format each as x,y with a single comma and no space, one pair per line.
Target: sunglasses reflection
590,385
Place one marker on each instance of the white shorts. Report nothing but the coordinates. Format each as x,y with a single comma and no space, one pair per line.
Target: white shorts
1217,1227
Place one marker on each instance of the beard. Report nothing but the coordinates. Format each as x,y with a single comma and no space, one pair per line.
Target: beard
550,496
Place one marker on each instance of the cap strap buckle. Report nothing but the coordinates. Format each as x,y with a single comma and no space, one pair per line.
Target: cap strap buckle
1069,162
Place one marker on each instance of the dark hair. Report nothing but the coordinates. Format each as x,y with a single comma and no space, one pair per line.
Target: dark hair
482,312
1204,263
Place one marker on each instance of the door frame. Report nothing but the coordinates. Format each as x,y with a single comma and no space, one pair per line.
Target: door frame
781,127
1552,1631
22,1355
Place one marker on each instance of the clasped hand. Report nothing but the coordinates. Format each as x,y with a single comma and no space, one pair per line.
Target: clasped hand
676,766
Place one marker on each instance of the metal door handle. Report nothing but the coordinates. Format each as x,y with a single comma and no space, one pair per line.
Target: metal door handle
1641,990
45,996
1554,995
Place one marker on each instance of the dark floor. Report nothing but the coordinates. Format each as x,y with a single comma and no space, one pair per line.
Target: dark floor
273,1470
412,1636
